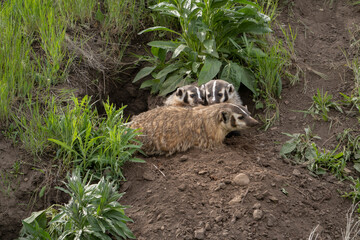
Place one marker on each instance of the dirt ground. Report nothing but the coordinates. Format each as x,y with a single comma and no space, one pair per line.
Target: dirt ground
236,191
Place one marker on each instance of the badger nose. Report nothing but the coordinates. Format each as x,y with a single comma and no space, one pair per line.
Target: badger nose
253,122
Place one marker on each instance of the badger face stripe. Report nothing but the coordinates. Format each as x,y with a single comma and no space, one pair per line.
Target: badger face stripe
245,113
226,96
186,98
198,93
214,88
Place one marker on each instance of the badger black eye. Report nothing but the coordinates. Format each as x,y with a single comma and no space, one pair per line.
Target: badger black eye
241,117
192,95
220,94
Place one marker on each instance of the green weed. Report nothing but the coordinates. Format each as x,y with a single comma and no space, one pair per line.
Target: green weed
93,212
300,146
210,44
321,106
332,161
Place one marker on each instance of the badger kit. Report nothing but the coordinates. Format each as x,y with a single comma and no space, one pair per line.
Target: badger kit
183,122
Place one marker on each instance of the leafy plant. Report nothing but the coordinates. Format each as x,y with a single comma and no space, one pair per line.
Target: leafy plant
351,142
321,105
332,161
300,146
94,142
93,212
211,43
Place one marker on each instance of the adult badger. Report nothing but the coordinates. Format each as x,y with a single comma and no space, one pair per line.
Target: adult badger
170,129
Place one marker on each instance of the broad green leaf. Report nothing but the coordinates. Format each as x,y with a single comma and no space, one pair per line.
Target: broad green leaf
310,154
195,67
287,148
149,83
193,56
210,46
158,28
236,74
248,3
218,3
143,73
178,50
357,166
167,45
172,82
210,69
248,26
159,53
166,8
170,68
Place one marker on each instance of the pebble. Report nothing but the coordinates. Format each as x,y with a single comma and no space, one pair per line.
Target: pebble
148,176
271,221
292,118
218,218
220,186
257,214
207,226
202,172
296,172
257,206
183,158
182,187
274,199
235,200
200,233
241,179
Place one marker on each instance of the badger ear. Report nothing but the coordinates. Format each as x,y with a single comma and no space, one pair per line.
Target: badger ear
231,88
224,116
246,107
179,92
202,87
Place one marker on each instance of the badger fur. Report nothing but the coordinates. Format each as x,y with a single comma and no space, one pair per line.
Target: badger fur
218,91
185,96
171,129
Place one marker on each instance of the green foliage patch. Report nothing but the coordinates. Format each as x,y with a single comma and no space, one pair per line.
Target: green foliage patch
93,212
216,39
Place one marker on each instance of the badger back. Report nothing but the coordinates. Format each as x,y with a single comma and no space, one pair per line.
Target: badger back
165,130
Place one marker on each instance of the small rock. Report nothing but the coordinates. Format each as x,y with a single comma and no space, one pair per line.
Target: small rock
292,118
202,172
183,158
274,199
296,172
241,179
257,206
220,186
227,181
200,233
271,221
286,102
162,227
235,200
347,170
218,218
26,179
148,176
182,187
207,226
149,191
257,214
273,184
